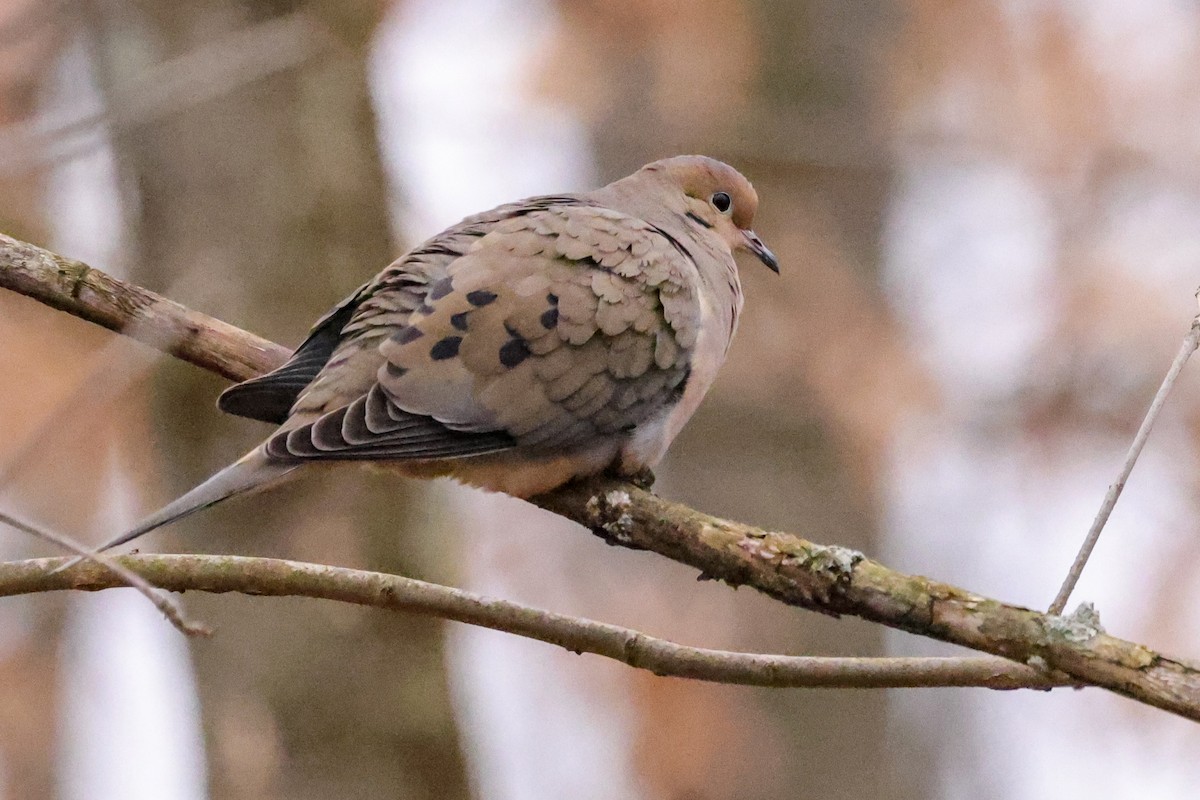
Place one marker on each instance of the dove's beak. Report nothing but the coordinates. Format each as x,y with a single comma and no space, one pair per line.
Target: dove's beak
761,251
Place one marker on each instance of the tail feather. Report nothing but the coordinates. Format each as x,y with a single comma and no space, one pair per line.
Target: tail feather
250,473
245,475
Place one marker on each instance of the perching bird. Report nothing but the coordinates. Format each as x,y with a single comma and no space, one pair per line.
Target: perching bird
541,341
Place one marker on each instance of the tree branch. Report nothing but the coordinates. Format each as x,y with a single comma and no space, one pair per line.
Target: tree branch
278,578
89,294
831,580
165,604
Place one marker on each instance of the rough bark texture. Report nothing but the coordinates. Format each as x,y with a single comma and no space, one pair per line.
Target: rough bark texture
89,294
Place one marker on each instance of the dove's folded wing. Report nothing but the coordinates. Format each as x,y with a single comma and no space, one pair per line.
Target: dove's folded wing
559,326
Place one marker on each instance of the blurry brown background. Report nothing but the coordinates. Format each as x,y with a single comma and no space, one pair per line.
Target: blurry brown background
987,217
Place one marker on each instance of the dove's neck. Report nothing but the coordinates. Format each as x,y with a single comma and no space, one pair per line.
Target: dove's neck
720,295
664,207
720,286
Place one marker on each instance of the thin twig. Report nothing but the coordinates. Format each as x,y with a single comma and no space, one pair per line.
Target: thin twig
279,578
1190,343
120,575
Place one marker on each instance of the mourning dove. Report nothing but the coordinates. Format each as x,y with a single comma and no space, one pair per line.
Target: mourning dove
541,341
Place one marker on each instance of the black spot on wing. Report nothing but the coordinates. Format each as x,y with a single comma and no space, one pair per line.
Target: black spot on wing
459,320
480,297
395,370
407,334
440,289
445,348
514,352
549,318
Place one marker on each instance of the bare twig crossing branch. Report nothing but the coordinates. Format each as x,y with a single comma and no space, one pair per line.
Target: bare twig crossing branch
1190,343
121,575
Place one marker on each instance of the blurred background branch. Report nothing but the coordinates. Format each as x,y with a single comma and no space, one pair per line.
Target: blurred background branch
215,68
828,579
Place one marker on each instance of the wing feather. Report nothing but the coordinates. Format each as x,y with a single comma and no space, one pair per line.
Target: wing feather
562,325
269,398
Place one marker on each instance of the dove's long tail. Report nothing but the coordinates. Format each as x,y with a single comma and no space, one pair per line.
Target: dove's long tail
250,473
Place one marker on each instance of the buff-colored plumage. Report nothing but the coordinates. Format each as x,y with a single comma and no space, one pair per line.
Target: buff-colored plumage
541,341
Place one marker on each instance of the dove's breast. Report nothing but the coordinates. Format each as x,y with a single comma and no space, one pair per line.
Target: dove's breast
718,321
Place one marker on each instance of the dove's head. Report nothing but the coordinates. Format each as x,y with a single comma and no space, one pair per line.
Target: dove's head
717,197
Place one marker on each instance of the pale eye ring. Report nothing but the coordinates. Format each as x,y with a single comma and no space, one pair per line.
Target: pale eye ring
722,202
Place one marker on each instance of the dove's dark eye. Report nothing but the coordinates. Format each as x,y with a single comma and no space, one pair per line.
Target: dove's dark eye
722,202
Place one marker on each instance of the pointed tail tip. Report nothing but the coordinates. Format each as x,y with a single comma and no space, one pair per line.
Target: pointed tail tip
242,477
